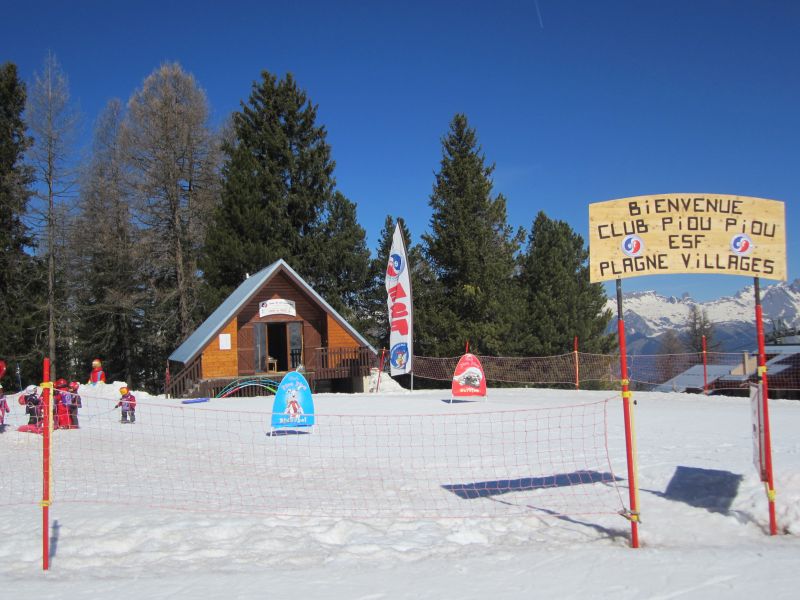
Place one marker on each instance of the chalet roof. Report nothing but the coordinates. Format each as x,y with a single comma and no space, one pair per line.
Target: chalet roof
195,343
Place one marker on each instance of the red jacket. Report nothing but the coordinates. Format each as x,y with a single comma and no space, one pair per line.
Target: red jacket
97,375
127,402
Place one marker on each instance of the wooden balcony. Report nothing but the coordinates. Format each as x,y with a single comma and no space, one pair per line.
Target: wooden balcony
341,363
323,364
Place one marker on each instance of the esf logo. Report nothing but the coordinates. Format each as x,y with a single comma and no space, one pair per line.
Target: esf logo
399,355
395,266
741,244
632,245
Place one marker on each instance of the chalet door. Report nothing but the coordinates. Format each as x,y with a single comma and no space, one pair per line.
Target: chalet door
260,354
295,344
276,345
245,351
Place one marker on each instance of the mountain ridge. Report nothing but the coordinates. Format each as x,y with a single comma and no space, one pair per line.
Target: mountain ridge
649,315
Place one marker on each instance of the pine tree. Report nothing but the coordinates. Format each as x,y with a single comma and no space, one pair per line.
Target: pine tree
561,303
18,269
344,279
279,201
471,250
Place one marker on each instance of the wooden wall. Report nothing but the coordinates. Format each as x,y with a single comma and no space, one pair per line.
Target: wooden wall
308,311
339,337
221,363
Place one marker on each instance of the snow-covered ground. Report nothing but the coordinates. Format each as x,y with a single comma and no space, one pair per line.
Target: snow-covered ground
704,510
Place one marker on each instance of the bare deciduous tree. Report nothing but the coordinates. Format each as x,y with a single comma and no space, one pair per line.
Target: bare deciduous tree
171,158
53,122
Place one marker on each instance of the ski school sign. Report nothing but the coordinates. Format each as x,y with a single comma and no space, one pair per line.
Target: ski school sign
687,233
293,405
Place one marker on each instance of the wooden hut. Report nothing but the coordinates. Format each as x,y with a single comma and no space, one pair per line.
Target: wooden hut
273,323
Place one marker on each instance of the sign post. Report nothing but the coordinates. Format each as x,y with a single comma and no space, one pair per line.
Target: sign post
630,434
767,441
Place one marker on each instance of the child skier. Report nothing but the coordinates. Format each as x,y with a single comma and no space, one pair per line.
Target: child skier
32,405
74,405
97,375
3,408
61,400
128,405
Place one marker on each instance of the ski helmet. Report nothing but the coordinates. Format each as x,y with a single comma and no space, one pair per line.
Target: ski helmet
123,390
61,383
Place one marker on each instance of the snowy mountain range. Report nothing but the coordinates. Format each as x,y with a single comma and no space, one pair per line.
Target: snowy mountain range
648,316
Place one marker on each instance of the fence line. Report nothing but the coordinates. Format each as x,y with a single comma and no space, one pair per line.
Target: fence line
649,372
465,462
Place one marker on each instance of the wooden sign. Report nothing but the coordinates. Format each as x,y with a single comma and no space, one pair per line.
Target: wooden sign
687,233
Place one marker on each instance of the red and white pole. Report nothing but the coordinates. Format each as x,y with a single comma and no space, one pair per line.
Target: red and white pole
762,373
380,370
705,367
47,412
630,434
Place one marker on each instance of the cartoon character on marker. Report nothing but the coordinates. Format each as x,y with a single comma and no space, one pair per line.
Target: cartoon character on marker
471,377
293,408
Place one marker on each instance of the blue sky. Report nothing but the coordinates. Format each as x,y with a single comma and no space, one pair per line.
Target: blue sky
575,102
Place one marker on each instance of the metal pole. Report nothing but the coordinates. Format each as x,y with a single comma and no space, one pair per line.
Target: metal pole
630,436
762,373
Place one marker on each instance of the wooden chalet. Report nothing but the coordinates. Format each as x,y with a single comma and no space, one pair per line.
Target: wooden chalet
273,323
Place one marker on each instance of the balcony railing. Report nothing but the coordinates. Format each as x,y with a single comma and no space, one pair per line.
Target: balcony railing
336,363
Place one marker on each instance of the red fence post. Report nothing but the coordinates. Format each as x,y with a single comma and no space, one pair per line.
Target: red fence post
705,367
47,406
577,367
380,369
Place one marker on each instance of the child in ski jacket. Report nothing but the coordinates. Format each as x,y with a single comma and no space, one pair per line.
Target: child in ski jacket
61,398
3,407
74,404
128,405
97,375
32,404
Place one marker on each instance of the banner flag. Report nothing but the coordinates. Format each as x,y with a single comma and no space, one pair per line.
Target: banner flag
398,289
468,378
293,405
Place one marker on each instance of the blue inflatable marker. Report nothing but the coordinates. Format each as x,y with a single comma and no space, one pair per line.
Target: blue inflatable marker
194,400
293,406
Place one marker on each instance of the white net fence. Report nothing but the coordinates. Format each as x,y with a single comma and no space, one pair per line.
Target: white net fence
463,463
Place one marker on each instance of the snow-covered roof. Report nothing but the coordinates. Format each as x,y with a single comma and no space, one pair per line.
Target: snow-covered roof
692,378
195,343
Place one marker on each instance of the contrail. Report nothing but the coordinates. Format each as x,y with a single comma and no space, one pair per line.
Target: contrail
539,13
